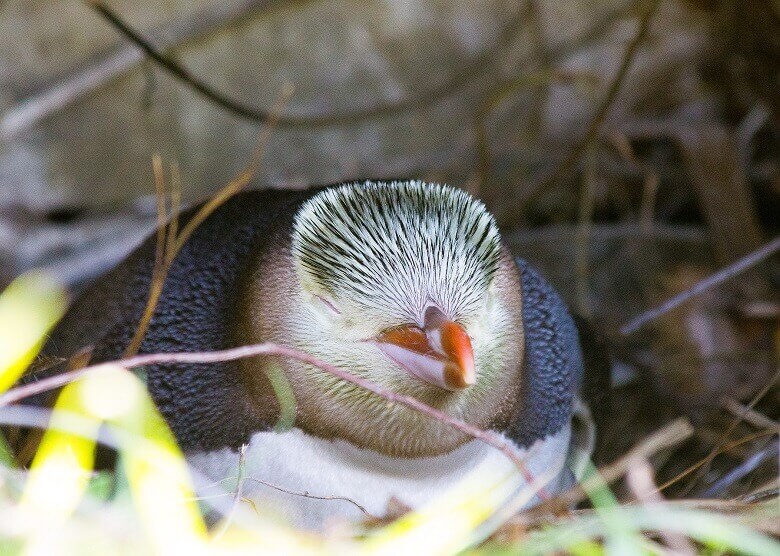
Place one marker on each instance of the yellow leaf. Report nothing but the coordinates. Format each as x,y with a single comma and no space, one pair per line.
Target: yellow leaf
155,467
29,307
63,463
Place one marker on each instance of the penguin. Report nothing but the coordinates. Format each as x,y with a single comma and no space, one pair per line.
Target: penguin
404,283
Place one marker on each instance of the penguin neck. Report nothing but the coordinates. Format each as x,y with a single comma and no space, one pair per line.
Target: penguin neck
362,419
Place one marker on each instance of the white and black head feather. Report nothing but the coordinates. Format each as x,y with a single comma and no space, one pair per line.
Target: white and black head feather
397,246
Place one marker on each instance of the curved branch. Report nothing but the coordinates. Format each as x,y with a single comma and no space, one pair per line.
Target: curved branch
233,354
123,57
477,67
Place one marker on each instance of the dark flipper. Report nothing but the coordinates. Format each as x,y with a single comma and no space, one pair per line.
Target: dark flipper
553,362
207,406
597,380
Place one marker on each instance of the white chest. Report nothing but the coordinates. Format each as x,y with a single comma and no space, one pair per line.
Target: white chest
333,471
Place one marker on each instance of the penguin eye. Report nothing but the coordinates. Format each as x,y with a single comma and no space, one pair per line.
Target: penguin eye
327,304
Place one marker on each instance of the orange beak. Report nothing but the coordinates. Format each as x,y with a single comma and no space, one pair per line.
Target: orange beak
439,353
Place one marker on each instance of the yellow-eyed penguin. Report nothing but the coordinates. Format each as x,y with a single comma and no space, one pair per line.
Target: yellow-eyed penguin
403,283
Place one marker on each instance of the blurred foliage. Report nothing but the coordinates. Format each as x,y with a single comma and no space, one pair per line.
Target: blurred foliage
28,308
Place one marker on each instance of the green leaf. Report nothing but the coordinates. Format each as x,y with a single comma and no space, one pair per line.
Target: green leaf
101,485
622,536
6,458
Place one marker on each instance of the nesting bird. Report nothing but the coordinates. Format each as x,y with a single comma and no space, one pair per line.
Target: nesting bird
405,284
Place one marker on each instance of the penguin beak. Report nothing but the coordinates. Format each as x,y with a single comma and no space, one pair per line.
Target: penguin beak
439,353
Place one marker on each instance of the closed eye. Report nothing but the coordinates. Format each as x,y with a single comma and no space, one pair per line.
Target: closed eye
328,304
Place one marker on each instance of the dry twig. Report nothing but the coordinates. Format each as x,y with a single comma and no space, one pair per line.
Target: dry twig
170,240
672,434
719,277
122,59
312,496
758,420
598,118
718,451
715,450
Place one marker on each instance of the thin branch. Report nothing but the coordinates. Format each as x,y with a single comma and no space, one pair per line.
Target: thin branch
719,277
478,66
174,68
598,118
722,449
307,495
488,437
758,420
123,58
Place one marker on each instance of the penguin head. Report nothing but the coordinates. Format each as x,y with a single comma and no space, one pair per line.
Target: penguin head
406,284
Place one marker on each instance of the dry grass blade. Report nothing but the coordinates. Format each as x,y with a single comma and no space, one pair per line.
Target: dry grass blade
170,240
175,194
161,263
751,416
237,495
642,484
672,434
720,450
701,466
